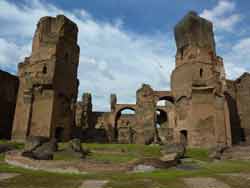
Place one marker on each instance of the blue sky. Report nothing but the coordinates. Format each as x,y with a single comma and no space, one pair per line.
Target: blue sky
125,43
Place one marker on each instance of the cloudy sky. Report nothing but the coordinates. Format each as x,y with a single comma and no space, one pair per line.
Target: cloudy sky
125,43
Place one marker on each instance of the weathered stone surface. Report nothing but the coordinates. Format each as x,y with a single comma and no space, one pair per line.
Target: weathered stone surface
194,31
48,82
238,99
43,151
34,141
217,152
75,148
202,109
143,168
153,162
196,109
176,151
236,153
170,157
94,183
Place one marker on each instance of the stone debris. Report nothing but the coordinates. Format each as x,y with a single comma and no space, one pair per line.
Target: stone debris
204,182
94,183
143,168
40,150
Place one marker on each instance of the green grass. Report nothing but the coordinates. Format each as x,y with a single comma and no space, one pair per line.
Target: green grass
117,153
198,154
113,153
15,144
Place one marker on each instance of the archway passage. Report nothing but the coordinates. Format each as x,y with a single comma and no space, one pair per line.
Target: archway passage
234,117
184,137
59,133
124,126
165,100
161,125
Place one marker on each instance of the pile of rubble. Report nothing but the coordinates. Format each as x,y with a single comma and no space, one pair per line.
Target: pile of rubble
42,148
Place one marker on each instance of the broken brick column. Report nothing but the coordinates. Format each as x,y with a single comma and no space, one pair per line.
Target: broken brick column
145,115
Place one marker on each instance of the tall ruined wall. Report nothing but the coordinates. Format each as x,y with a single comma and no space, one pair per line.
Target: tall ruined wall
196,59
145,115
243,104
198,83
8,95
238,98
48,82
231,98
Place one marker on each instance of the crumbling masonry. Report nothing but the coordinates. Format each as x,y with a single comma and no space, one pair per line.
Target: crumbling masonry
48,82
203,109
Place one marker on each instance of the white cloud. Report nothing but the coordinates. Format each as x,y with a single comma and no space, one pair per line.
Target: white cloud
111,61
223,15
243,46
225,18
11,53
238,58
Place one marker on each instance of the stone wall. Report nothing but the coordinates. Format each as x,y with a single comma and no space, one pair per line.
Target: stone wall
198,85
8,95
238,97
243,103
204,109
48,82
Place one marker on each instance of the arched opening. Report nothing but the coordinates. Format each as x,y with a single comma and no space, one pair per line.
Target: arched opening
44,69
165,101
184,137
161,125
124,126
59,133
234,117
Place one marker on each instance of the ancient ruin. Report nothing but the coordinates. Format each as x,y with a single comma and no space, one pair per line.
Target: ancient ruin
198,130
203,109
48,82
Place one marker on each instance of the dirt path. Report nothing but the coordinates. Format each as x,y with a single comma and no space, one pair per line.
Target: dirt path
5,176
94,183
204,182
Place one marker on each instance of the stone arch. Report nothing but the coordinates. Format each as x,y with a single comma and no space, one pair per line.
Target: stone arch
167,98
166,101
183,97
123,125
184,137
161,124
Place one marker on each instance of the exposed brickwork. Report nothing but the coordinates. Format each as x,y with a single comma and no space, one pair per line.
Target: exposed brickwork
203,109
196,112
48,82
238,96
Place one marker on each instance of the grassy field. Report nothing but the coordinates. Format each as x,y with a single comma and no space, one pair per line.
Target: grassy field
115,153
